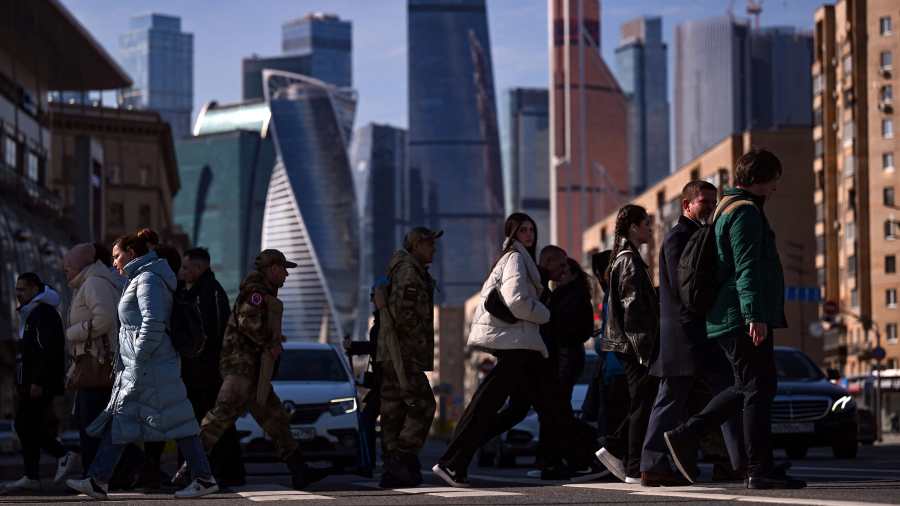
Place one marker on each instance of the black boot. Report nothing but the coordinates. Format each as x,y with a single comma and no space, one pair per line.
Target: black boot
397,473
301,474
414,466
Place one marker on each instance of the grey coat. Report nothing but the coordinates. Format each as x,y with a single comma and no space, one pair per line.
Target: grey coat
149,401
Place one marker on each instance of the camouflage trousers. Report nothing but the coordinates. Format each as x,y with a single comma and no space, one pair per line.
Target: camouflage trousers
406,415
237,395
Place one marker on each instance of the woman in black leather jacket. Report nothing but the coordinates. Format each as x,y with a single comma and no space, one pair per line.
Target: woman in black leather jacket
633,334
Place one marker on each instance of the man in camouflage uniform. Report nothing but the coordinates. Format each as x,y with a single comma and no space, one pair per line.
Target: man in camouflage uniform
251,344
406,351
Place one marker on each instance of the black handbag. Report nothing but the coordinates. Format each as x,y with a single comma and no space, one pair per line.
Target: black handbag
495,305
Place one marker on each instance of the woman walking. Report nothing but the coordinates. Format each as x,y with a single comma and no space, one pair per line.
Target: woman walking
149,401
632,334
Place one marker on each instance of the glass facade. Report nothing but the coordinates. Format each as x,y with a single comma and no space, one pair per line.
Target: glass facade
159,57
311,212
327,41
251,71
453,141
642,71
526,175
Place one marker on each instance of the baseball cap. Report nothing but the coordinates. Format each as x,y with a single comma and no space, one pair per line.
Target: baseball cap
271,257
419,234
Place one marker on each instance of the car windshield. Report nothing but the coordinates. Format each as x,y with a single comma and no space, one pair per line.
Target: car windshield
310,365
796,366
590,365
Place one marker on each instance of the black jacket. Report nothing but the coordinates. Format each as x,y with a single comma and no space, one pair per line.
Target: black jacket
632,325
203,371
571,316
680,330
41,351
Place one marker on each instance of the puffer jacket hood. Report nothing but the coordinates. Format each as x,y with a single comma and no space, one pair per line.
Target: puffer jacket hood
100,270
152,263
93,312
47,296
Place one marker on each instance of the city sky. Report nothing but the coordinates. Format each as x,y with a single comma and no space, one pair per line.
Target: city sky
226,32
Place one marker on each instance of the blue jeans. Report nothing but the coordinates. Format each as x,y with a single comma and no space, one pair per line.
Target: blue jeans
109,453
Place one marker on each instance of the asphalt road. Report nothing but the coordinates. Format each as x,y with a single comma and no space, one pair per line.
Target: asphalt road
870,479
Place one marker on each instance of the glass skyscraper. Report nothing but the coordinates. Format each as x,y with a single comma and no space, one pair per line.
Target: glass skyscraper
454,151
252,68
311,213
526,175
642,64
159,57
327,40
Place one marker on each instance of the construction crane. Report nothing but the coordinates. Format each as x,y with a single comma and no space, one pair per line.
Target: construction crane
754,8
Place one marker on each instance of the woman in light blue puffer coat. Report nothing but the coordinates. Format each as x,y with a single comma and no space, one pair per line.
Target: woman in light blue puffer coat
149,401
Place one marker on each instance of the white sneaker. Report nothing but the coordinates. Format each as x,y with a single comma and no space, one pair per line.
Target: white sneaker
90,487
632,481
66,465
198,488
613,463
22,484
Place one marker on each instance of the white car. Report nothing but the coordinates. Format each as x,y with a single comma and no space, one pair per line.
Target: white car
316,386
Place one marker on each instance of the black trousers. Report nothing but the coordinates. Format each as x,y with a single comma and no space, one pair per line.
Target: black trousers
755,385
570,365
367,422
36,426
627,441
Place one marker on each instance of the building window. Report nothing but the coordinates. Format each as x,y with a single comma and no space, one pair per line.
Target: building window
848,133
890,332
884,25
854,297
10,152
887,129
820,276
820,212
889,229
851,266
819,147
144,217
890,297
145,176
886,60
889,196
115,174
848,64
116,214
32,167
887,93
890,264
887,161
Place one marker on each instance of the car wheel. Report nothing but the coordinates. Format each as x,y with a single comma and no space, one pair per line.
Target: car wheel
796,451
845,450
485,458
505,460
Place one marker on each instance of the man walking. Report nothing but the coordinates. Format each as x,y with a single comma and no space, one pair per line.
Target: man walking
685,355
251,344
406,351
201,374
748,306
40,368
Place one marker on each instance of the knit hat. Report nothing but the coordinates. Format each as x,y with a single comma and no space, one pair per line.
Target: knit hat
80,256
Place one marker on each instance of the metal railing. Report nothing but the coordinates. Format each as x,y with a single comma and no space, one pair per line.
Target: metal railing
29,193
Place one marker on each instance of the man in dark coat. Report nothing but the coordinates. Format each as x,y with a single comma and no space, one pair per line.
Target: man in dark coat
685,356
201,374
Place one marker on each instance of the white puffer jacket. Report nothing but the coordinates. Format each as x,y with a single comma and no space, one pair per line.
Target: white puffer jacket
519,281
94,308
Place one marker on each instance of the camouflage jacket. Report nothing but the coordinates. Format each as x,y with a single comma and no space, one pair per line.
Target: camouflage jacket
254,326
409,314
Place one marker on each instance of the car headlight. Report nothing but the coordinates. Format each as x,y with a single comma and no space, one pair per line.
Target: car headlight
342,406
845,403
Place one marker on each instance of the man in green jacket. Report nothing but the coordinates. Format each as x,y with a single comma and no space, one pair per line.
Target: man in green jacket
748,307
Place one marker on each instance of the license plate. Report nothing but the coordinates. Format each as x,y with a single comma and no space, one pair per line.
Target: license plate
792,428
303,433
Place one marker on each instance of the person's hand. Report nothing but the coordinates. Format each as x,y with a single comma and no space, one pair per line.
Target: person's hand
347,344
36,391
758,332
378,298
276,350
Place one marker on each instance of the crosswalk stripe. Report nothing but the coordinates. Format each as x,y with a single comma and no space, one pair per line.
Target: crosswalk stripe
272,492
445,492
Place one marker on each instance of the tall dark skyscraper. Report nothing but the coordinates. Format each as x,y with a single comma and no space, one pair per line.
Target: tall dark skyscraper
642,66
327,40
453,142
526,175
725,81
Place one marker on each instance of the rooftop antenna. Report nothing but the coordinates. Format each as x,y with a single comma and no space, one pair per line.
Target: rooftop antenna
754,8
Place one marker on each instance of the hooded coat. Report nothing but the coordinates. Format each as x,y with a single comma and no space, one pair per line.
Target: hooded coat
149,401
93,312
40,357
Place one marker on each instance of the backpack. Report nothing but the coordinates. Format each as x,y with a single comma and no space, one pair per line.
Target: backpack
697,269
186,324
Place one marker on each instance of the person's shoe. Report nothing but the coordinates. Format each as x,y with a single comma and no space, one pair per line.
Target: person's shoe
301,474
683,449
182,477
612,463
90,487
66,465
595,471
633,480
450,477
723,472
555,473
414,467
774,481
23,484
198,488
670,479
149,479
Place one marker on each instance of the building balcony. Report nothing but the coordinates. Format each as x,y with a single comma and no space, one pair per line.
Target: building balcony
29,194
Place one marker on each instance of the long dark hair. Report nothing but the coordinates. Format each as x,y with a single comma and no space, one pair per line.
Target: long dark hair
510,228
629,214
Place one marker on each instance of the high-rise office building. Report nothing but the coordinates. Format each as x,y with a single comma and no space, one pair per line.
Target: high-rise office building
857,218
729,77
589,118
160,59
526,178
252,68
327,40
642,64
311,213
454,151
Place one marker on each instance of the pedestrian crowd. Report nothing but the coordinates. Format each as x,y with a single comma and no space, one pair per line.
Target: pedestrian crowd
156,353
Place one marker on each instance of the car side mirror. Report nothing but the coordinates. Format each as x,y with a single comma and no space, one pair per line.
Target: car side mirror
833,374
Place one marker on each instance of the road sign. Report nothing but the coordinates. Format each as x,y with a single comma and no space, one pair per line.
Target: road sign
878,353
830,308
